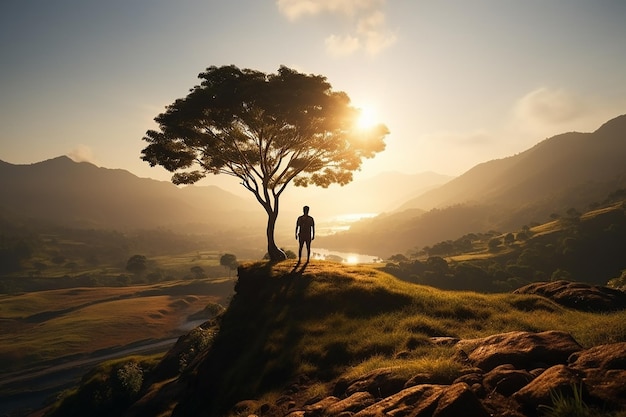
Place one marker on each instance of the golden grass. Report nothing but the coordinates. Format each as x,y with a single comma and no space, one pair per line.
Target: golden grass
353,319
47,325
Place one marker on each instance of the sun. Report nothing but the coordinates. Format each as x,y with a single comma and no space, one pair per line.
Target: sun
367,117
352,259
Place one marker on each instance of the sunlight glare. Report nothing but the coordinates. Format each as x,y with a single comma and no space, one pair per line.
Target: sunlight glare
352,259
367,117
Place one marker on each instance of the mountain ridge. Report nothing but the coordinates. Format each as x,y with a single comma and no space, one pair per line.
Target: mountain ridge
570,170
81,194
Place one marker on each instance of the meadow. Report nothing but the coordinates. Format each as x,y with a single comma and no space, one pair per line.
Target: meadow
44,326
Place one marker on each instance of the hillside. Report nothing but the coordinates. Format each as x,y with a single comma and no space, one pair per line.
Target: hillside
302,340
581,247
68,193
548,170
566,171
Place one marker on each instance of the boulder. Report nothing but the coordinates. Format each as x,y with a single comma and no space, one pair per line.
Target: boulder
514,375
604,373
557,379
578,295
459,400
506,380
523,350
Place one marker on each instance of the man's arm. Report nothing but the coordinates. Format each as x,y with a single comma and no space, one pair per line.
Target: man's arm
297,225
312,228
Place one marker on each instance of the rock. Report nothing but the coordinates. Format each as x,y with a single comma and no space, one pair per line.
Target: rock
540,365
299,413
425,378
380,383
459,400
604,373
474,380
319,408
523,350
539,391
604,357
506,380
417,401
356,402
577,295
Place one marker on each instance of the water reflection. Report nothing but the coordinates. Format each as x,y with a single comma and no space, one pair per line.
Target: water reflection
339,223
344,257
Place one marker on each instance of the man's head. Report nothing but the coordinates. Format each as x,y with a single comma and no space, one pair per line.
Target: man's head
305,209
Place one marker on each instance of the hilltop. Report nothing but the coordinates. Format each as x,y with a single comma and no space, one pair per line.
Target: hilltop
334,339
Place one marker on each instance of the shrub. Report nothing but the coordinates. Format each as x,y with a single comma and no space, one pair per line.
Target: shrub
130,379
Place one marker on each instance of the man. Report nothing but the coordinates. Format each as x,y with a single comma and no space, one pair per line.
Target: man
305,233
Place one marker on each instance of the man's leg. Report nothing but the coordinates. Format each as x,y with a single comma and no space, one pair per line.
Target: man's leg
308,249
301,243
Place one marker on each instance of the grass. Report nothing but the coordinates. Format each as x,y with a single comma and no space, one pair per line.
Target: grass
332,320
48,325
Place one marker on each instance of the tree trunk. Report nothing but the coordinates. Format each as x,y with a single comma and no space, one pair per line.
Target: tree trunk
274,251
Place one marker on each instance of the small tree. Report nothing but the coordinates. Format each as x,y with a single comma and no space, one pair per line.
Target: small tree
268,130
137,264
494,244
197,272
229,261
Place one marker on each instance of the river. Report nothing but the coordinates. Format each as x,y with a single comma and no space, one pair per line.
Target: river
33,388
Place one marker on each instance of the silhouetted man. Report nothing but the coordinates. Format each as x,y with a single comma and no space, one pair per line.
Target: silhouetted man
305,232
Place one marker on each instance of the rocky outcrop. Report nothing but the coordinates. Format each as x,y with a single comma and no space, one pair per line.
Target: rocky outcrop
578,295
506,375
523,350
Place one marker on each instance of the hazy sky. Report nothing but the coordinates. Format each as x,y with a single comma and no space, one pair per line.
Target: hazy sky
457,82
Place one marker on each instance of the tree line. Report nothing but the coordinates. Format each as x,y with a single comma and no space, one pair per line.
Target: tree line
581,248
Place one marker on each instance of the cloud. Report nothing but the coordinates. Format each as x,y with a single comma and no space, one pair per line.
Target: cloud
82,153
367,27
342,45
294,9
373,29
546,106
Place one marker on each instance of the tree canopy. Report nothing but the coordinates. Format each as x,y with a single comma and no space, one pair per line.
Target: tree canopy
266,129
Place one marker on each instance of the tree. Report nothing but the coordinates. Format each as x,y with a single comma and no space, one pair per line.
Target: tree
197,272
137,264
268,130
228,260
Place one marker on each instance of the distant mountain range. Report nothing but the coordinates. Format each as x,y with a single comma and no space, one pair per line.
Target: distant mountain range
566,171
571,170
63,192
79,194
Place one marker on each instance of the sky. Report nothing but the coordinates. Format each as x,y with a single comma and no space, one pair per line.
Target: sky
457,82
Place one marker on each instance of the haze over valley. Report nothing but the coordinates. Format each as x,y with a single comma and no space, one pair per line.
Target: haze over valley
464,163
401,212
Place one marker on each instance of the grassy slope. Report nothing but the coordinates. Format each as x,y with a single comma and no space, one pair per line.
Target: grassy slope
330,320
47,325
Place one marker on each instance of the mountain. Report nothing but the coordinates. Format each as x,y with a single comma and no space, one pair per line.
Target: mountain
64,192
571,170
561,163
